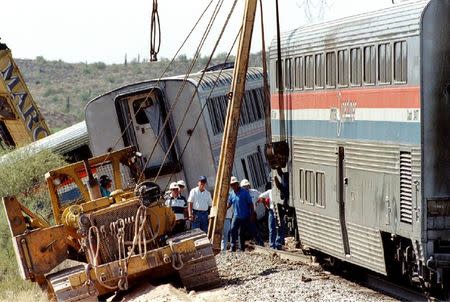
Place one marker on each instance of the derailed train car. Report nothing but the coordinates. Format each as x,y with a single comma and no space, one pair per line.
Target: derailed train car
196,106
368,124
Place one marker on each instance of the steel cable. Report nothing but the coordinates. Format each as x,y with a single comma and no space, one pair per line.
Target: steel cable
180,90
159,79
193,95
204,105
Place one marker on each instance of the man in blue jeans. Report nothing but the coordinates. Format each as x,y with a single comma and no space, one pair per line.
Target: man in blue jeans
199,202
276,233
242,204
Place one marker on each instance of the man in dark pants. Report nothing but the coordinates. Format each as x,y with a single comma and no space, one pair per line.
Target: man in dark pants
242,204
199,202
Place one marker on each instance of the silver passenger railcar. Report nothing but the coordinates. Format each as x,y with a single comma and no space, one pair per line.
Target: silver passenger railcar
115,121
368,124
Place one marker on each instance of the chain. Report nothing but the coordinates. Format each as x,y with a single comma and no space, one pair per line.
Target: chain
155,33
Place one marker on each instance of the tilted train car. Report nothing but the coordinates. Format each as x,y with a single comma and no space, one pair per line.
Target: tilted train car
367,103
115,121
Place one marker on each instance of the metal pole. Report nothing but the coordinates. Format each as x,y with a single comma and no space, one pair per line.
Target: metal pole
280,80
228,148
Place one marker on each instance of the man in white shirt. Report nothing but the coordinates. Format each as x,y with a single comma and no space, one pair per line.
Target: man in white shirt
260,210
276,233
199,202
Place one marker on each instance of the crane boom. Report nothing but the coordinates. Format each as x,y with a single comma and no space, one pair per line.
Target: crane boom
230,133
21,122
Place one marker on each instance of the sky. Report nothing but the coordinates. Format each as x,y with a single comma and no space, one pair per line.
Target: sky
106,30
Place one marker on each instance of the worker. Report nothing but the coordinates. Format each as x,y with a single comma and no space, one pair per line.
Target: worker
276,232
105,185
260,210
182,185
179,206
226,229
199,202
242,204
258,214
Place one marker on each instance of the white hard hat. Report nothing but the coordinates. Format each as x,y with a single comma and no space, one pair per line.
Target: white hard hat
174,185
245,182
181,183
233,180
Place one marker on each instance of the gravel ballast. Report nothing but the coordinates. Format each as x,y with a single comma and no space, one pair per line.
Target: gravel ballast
251,276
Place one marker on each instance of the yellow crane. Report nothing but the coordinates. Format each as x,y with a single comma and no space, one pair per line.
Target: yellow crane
21,122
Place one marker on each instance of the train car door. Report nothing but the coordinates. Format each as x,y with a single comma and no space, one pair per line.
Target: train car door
342,182
146,113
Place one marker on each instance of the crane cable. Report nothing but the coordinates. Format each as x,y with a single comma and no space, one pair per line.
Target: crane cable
180,90
204,106
156,84
267,102
193,95
155,33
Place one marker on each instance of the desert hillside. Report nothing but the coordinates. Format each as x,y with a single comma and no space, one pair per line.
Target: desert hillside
62,89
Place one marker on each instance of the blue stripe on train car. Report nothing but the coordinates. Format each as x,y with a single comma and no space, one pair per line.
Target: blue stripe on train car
396,132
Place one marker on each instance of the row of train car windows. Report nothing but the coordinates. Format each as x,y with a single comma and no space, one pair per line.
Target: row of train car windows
255,169
312,187
368,65
252,109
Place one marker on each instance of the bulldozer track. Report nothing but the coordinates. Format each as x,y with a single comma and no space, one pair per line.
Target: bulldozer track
200,269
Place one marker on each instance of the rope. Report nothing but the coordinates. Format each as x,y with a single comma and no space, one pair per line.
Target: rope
155,33
157,82
180,90
193,95
204,105
93,254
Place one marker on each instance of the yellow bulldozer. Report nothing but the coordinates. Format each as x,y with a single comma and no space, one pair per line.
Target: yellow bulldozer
112,241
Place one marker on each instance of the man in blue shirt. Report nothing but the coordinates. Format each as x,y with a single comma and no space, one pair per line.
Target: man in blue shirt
105,185
242,204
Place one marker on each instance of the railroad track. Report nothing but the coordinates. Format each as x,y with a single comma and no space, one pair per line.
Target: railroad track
363,277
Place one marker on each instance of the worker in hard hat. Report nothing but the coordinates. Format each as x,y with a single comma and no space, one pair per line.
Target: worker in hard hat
178,205
242,204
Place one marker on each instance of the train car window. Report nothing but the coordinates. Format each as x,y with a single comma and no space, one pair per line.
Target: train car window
369,65
320,189
277,80
287,74
257,169
299,73
319,70
309,72
139,110
252,109
384,63
331,70
355,66
342,68
309,186
301,182
400,62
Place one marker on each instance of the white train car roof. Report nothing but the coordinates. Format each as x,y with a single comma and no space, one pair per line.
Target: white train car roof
61,142
402,20
211,80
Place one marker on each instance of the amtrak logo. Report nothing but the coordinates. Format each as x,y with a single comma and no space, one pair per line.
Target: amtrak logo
348,110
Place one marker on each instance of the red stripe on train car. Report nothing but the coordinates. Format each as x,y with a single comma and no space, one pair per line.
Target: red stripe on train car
392,97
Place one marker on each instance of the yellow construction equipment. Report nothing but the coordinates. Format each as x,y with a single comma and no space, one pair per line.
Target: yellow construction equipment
116,240
20,119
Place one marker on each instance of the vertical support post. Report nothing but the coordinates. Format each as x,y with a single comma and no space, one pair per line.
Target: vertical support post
230,133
